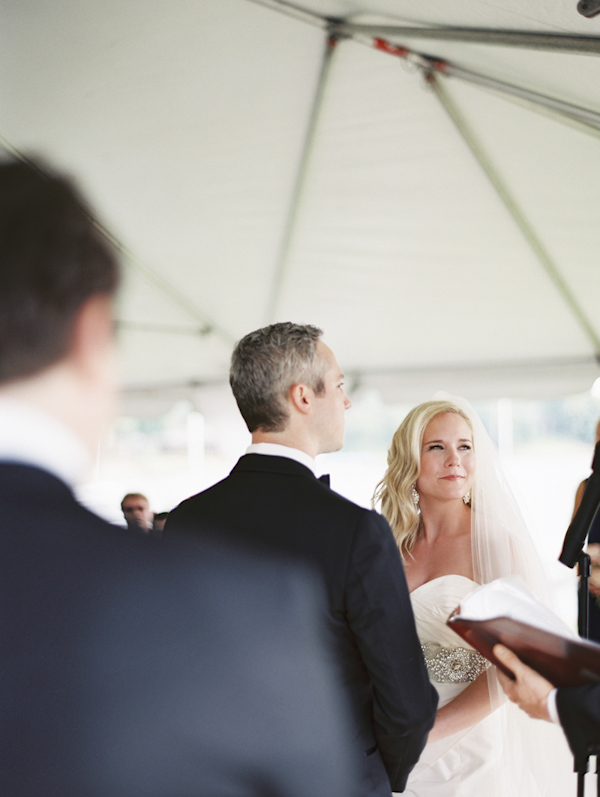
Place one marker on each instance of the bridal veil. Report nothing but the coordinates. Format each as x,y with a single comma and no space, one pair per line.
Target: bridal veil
532,756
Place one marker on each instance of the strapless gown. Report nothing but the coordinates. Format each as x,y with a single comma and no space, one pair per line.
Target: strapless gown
488,759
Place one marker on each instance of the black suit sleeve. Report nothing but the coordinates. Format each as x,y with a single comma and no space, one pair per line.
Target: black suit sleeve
579,714
381,618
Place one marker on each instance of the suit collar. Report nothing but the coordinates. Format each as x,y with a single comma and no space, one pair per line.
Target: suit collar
261,463
278,450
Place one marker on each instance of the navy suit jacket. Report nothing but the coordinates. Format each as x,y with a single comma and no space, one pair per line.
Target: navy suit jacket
579,714
132,666
278,505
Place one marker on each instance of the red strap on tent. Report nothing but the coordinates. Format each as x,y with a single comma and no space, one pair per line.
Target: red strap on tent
392,49
439,66
404,52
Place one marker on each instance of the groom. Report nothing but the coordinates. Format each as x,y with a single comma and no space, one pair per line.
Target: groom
289,390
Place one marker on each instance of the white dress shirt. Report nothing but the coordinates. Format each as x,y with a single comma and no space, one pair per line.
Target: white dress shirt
552,707
31,437
277,450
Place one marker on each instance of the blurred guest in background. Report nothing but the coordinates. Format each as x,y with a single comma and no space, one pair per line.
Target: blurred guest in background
158,524
137,513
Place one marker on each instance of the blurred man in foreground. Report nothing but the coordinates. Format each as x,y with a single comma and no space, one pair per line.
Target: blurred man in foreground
128,669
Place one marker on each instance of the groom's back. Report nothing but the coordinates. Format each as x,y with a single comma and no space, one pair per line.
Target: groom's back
274,503
289,389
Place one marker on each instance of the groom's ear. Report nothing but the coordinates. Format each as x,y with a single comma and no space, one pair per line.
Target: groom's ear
301,397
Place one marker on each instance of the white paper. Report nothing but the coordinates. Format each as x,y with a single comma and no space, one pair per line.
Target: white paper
510,597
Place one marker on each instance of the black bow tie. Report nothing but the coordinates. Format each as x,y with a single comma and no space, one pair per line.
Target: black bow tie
324,479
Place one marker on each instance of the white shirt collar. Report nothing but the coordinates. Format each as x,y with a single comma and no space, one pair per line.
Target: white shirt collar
277,450
31,437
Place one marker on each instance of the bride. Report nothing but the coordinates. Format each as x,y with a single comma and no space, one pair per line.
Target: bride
458,525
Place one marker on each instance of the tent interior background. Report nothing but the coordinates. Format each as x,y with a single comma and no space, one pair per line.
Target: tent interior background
420,180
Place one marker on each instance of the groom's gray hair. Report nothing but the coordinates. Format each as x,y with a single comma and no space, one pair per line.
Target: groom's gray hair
264,366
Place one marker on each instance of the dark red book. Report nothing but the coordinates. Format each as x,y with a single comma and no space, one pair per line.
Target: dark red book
564,661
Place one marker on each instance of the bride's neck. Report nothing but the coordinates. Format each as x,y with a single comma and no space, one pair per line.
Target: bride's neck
449,518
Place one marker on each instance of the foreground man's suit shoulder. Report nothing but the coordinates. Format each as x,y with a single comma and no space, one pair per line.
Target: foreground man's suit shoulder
276,504
133,667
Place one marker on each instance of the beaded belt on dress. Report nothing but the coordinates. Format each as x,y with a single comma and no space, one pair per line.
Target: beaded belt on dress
453,665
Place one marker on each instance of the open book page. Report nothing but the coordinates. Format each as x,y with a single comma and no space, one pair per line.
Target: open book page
505,611
510,597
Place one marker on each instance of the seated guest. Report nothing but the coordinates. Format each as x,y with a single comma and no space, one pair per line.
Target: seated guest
137,513
158,524
129,669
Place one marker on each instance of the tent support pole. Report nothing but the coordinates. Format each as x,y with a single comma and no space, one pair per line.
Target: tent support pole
163,286
207,326
517,214
564,110
294,11
558,42
300,182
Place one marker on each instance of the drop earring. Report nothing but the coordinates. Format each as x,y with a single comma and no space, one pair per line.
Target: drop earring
415,497
467,498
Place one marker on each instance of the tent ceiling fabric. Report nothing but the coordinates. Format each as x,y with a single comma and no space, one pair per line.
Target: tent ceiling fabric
443,234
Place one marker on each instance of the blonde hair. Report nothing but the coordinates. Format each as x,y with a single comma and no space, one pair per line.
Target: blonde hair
404,467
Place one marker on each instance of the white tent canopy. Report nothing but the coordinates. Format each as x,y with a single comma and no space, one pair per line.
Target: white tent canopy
263,161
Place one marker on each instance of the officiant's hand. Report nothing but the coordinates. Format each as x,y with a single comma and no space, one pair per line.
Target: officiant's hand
529,690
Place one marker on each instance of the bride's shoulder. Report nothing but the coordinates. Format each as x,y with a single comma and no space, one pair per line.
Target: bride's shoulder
448,582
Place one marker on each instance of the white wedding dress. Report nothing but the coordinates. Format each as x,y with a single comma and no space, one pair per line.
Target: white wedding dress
497,756
461,764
